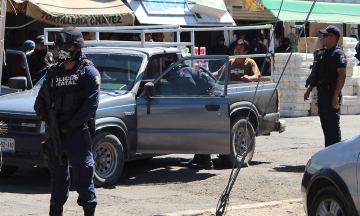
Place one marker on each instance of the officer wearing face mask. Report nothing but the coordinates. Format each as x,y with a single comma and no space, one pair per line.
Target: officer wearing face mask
74,87
40,58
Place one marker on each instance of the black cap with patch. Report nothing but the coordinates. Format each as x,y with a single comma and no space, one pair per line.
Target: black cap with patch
332,30
70,35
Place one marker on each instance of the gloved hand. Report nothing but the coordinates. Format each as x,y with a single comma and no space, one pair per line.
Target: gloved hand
41,113
66,130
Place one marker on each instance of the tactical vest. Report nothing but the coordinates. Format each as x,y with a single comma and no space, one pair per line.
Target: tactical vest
66,90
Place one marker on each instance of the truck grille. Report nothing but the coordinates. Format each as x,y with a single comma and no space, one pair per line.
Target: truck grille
21,124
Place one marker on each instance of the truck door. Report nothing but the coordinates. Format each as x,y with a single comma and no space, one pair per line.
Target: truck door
188,109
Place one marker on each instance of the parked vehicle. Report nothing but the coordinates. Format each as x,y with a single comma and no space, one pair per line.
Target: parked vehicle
331,181
146,107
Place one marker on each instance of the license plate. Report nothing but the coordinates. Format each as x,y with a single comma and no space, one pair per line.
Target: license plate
7,145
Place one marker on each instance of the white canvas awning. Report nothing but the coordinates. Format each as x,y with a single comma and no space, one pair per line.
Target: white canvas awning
81,13
168,12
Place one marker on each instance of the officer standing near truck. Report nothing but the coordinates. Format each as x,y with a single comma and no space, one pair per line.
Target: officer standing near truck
330,75
40,57
74,86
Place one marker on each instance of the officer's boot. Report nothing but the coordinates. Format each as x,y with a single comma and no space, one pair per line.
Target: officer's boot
56,209
89,210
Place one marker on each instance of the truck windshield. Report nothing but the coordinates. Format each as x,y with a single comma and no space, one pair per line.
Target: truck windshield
118,71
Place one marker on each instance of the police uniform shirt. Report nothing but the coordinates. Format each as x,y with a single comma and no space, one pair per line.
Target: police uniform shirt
327,66
237,70
87,96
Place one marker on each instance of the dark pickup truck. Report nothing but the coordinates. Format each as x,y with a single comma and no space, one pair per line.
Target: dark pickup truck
145,109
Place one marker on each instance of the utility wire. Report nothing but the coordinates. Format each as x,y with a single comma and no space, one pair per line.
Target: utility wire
224,199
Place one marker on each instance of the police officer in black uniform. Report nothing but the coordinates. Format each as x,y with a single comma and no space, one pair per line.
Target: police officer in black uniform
329,80
260,48
74,86
39,59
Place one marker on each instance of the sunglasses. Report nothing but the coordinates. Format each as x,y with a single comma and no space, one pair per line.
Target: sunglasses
327,35
64,46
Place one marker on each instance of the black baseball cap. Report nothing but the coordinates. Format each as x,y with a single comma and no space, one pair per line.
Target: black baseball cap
239,33
40,39
70,35
332,30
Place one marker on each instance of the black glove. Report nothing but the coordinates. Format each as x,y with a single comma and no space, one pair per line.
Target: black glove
41,113
66,130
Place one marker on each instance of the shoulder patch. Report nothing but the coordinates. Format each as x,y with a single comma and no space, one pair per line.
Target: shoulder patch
97,80
342,59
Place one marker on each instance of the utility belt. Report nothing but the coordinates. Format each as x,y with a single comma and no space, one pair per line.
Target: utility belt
329,88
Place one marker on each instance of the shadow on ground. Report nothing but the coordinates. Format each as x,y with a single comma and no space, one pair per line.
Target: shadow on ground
286,168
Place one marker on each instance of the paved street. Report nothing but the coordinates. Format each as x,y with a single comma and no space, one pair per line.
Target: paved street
161,186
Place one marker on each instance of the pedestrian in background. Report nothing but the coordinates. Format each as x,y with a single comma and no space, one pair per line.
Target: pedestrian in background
158,37
239,35
220,48
330,79
39,59
260,48
74,87
284,47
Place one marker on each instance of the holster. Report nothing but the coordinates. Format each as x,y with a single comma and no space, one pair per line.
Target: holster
91,124
49,154
87,136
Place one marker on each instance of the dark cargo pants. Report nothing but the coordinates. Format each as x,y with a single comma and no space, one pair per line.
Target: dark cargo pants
329,118
81,160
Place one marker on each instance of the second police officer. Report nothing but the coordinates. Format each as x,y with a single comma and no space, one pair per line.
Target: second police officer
329,79
74,86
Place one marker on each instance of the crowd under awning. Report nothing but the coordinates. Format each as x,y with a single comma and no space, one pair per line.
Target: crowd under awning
297,11
80,13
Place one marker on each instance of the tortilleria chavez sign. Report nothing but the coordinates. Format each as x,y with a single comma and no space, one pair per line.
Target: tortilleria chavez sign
80,20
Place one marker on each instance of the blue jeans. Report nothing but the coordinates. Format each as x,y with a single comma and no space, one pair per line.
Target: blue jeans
329,118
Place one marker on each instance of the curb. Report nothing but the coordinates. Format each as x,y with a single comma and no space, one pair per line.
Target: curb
230,208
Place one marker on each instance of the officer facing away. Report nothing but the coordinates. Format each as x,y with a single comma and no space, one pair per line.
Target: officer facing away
330,78
74,86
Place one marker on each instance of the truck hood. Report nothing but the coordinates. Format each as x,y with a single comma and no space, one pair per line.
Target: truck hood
23,102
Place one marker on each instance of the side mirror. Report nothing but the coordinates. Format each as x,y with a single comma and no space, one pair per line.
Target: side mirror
149,92
18,82
149,89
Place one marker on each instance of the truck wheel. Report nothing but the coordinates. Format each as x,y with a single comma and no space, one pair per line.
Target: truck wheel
109,159
7,171
236,132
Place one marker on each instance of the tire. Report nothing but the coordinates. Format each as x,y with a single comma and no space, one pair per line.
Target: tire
236,132
108,155
7,171
328,201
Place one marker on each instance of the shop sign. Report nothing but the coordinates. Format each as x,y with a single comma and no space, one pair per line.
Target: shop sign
165,7
253,5
80,20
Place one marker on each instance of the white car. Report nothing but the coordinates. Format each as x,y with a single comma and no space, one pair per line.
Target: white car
331,180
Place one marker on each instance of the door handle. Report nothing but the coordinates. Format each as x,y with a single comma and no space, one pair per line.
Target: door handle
212,107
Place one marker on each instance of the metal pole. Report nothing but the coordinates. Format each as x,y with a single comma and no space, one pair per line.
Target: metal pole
2,36
272,50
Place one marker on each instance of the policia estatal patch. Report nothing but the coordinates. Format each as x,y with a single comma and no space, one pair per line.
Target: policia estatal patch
342,59
97,80
71,80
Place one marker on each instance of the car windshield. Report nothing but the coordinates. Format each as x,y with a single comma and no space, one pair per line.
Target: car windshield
118,71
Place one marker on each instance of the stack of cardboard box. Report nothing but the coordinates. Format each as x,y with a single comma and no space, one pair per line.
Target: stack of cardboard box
292,84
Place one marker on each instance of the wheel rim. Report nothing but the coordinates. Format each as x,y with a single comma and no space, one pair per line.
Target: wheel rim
105,160
244,143
329,207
